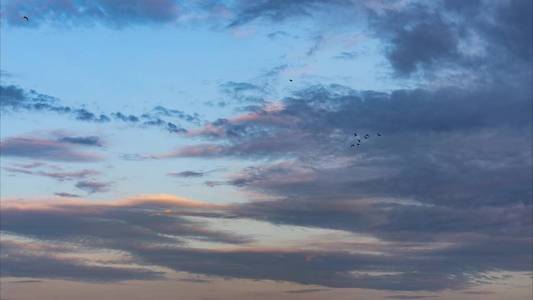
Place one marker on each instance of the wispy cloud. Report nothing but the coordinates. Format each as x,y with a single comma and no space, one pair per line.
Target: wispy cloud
83,140
46,149
14,98
92,187
58,175
67,195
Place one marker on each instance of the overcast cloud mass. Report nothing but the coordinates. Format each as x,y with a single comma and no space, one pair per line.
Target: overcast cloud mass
266,149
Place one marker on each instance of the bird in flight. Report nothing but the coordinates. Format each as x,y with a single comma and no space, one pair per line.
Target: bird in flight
26,18
290,80
358,141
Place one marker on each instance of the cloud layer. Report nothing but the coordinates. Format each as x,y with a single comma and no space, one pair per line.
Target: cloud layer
14,98
444,191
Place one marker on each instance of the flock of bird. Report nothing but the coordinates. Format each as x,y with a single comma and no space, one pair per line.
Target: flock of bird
361,138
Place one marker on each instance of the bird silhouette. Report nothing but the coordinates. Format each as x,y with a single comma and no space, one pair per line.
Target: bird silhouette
359,139
26,18
290,80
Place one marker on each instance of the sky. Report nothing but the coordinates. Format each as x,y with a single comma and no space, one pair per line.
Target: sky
269,149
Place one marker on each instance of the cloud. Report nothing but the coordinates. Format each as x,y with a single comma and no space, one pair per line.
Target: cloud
325,115
193,174
277,34
40,148
305,291
455,36
152,230
329,269
57,175
117,15
14,99
446,191
447,187
347,55
426,42
410,297
67,195
82,140
167,112
22,260
276,10
187,174
92,187
116,224
243,92
194,280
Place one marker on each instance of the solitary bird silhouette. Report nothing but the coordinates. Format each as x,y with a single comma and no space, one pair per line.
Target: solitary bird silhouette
26,18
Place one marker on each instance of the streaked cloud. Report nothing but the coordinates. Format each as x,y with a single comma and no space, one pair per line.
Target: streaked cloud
83,140
92,187
14,98
46,149
58,175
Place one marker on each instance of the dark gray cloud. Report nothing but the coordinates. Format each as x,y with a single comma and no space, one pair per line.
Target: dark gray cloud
452,167
14,98
305,291
411,297
187,174
91,186
39,148
153,233
19,260
424,39
117,226
25,281
194,174
193,280
67,195
446,189
322,116
407,271
83,140
472,37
